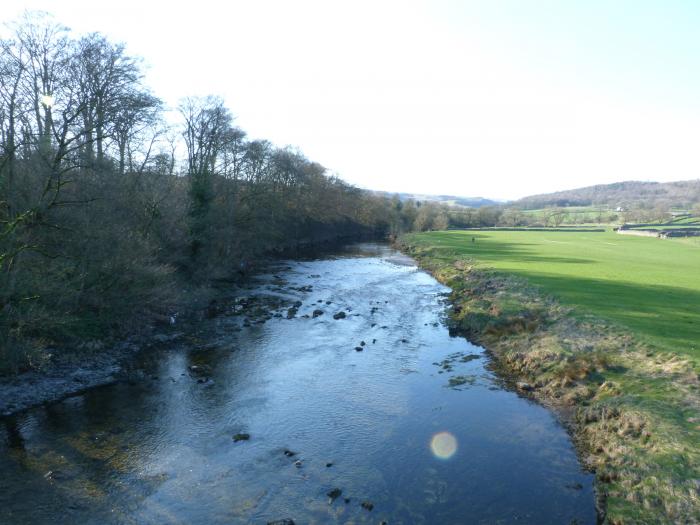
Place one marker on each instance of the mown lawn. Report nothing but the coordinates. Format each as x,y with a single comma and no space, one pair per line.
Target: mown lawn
651,286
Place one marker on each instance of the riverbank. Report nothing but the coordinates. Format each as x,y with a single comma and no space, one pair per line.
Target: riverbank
72,374
70,370
632,410
70,367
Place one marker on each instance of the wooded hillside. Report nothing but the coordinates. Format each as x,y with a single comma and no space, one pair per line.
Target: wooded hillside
629,194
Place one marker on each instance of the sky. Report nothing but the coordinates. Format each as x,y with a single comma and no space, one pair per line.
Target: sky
492,98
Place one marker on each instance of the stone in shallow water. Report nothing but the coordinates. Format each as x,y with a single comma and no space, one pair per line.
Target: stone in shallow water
333,494
241,436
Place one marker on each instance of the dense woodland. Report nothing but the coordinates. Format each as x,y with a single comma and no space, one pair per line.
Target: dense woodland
109,209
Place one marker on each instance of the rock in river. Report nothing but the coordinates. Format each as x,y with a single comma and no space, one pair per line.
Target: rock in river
333,495
317,313
339,315
241,436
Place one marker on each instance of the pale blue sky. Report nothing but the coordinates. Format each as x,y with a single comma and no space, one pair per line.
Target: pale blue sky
494,98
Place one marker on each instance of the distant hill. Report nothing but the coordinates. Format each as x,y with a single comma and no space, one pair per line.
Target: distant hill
452,200
682,194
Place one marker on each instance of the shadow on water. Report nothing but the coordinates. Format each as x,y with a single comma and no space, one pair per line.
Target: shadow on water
412,425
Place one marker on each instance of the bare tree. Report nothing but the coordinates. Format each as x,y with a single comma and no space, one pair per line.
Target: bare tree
136,125
207,123
108,80
44,46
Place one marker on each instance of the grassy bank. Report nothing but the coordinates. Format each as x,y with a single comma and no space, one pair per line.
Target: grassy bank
605,329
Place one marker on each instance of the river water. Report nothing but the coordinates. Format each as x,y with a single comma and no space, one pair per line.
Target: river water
414,426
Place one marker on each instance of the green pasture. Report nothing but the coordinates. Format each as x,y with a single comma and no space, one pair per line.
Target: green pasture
651,286
575,215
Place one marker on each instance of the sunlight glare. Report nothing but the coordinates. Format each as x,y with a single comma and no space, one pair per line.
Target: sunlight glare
443,445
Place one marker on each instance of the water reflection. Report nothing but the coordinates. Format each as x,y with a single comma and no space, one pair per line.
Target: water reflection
319,414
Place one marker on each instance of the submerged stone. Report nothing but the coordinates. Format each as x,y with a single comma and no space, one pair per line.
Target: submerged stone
333,495
461,380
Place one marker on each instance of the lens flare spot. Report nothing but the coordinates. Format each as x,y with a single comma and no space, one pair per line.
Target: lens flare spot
443,445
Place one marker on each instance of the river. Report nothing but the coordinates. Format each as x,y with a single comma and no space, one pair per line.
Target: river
382,408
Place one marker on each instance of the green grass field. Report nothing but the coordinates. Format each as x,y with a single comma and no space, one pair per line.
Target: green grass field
575,215
650,286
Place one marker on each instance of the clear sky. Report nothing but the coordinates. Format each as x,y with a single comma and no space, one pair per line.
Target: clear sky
490,98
